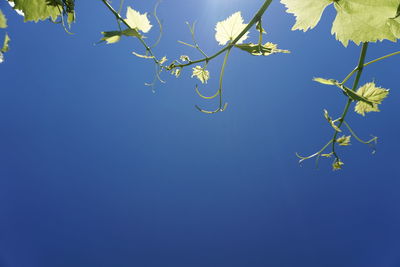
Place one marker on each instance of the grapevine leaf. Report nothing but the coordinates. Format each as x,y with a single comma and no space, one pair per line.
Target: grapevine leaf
326,81
111,36
337,165
355,96
5,47
6,42
3,20
356,20
176,72
228,29
374,94
344,140
261,50
259,28
137,21
331,122
184,58
201,73
114,36
366,21
131,32
307,12
142,56
35,10
327,155
350,93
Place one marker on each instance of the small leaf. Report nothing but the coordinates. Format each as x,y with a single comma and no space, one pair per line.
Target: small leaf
163,60
137,21
201,73
3,20
131,32
337,165
184,58
327,155
6,42
355,96
261,50
228,29
259,28
331,122
344,140
111,37
373,94
176,72
326,81
142,56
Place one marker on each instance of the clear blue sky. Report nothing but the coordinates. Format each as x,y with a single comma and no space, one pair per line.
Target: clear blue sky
96,170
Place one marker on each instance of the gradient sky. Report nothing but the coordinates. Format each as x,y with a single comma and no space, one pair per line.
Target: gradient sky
96,170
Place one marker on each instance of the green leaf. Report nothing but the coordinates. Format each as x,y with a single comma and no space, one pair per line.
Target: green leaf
163,60
5,47
201,73
373,94
137,21
228,29
259,28
337,165
344,140
131,32
35,10
307,12
356,20
326,81
111,36
261,50
331,122
6,42
114,36
3,20
142,56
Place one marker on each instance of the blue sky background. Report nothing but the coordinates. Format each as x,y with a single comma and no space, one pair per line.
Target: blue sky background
96,170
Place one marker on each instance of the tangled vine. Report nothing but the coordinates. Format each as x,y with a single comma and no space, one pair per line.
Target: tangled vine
361,22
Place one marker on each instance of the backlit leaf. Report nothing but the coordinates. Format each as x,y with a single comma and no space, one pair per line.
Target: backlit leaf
261,50
356,20
3,20
137,21
373,94
227,30
201,73
344,140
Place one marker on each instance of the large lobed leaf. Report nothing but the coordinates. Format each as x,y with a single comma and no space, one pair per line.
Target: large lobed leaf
35,10
356,20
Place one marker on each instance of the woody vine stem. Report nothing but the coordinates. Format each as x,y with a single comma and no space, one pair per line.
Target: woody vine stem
176,65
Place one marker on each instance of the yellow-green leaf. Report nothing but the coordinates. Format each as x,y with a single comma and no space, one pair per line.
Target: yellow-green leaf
356,20
137,21
326,81
261,50
337,165
3,20
344,140
331,122
373,94
142,56
201,73
228,29
307,12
